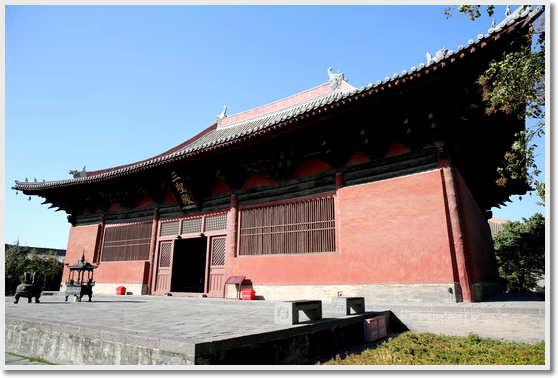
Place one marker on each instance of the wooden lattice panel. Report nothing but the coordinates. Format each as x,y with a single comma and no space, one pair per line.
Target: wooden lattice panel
293,228
169,228
127,243
216,222
191,226
218,252
165,255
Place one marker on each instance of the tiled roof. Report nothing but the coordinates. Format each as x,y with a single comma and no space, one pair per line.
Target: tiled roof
246,124
230,131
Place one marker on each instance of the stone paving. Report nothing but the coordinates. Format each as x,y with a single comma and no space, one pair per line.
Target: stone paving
201,319
173,323
194,319
197,320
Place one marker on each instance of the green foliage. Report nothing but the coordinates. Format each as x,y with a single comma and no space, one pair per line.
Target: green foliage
520,252
472,11
430,349
20,260
515,84
15,264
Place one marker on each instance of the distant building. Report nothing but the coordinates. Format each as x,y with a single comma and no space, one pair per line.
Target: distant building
60,253
496,225
380,191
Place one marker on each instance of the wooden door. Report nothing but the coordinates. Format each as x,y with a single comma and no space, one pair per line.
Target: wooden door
216,276
164,267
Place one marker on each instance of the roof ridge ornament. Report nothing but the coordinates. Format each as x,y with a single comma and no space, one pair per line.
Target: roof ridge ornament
78,174
335,79
441,54
429,58
221,116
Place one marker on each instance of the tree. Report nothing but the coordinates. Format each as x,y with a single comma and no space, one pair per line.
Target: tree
20,260
515,84
520,252
48,266
15,264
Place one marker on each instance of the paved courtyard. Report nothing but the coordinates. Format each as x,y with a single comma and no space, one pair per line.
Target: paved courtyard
179,321
194,319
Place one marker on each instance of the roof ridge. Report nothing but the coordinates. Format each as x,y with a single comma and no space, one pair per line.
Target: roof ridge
286,108
285,103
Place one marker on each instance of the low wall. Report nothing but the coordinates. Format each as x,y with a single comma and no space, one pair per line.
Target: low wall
82,346
373,293
522,324
131,288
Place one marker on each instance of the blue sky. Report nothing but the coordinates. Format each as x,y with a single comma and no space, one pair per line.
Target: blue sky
101,86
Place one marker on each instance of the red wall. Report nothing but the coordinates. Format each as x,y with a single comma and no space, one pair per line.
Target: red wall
122,272
82,241
256,179
309,167
83,238
482,265
388,231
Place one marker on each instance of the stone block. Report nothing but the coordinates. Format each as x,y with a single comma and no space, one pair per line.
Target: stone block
290,312
348,305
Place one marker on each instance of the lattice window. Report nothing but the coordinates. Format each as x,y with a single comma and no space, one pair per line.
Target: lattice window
165,255
218,251
169,228
294,228
216,222
191,226
127,243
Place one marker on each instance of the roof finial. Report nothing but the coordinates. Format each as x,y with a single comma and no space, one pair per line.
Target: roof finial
335,79
77,174
428,57
441,54
222,116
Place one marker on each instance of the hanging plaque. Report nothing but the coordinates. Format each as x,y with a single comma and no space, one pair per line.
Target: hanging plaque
181,192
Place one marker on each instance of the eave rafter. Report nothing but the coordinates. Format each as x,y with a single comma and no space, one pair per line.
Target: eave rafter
274,161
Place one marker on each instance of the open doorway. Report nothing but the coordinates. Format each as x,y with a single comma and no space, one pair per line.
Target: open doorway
189,265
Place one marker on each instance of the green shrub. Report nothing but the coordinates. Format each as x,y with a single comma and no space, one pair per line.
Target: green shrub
430,349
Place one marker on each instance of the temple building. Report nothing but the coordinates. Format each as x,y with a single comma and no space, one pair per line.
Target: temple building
382,191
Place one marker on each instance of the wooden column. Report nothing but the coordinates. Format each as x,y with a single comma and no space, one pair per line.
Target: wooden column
232,226
339,180
152,250
99,242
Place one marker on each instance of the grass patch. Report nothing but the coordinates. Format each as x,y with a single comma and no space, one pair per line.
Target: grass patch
431,349
40,360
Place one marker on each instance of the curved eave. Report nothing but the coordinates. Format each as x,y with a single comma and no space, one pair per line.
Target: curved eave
374,92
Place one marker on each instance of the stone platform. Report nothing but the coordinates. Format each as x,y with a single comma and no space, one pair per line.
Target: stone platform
157,330
151,330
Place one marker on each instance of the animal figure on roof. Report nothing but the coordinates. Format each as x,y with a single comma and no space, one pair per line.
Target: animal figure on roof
335,78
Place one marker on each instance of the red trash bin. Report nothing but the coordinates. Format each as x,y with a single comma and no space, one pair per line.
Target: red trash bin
120,290
248,294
